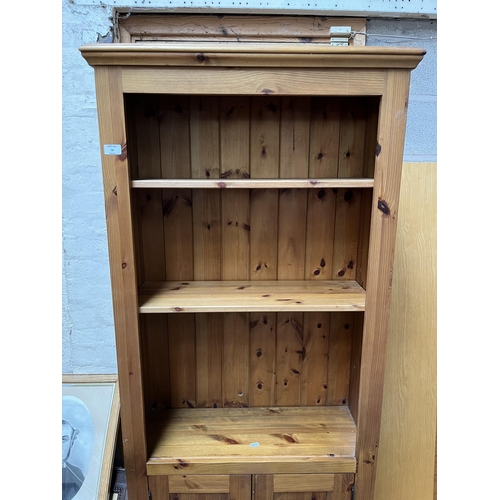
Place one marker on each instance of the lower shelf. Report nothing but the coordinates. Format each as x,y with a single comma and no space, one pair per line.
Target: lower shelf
251,441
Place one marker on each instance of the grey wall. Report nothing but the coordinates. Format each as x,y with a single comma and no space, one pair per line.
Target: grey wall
88,344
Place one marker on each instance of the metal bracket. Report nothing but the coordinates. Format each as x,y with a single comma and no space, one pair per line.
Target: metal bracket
340,35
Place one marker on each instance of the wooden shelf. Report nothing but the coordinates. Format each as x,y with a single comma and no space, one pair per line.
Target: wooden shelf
252,183
251,440
250,296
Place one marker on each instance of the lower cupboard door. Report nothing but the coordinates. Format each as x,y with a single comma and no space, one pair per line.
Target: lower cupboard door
197,487
303,486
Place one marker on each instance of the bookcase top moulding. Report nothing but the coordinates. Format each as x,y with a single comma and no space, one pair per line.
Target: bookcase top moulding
247,55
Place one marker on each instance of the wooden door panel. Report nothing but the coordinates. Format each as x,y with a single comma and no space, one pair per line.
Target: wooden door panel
199,487
303,487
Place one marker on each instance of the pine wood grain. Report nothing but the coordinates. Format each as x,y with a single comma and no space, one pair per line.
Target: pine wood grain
262,359
312,183
209,348
313,483
408,431
177,203
339,358
111,117
392,122
235,360
314,375
182,352
199,484
258,81
175,27
210,439
149,243
251,296
347,224
259,54
289,355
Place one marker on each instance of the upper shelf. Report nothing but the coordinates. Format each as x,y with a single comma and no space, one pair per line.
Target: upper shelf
252,183
247,55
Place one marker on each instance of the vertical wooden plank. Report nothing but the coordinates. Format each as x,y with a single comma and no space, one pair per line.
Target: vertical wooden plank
182,351
263,234
154,341
234,130
178,230
205,163
123,276
294,154
364,235
209,337
294,137
234,157
343,485
408,430
355,368
204,132
158,485
339,359
240,487
320,231
263,486
391,132
314,376
235,137
371,112
235,360
207,234
177,203
235,235
264,163
265,115
207,230
352,138
292,233
147,152
324,137
323,162
345,247
262,359
146,145
289,355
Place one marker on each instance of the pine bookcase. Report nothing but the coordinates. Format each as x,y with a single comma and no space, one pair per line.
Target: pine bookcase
251,195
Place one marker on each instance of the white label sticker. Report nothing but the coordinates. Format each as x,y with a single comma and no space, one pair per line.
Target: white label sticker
112,149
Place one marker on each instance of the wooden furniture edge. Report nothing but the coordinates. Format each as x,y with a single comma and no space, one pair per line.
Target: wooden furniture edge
234,54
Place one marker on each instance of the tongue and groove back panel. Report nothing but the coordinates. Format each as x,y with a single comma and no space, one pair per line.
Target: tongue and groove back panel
250,359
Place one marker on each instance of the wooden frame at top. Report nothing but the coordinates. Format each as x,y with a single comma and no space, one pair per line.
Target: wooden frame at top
147,28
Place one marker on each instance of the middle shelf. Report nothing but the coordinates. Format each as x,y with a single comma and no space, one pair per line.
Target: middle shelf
250,296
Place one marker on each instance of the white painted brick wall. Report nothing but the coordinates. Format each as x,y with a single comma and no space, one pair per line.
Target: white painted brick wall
88,344
88,328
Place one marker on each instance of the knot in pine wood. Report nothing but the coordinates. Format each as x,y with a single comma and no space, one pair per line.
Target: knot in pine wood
383,207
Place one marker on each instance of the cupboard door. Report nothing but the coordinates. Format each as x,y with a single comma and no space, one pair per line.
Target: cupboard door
303,487
198,487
